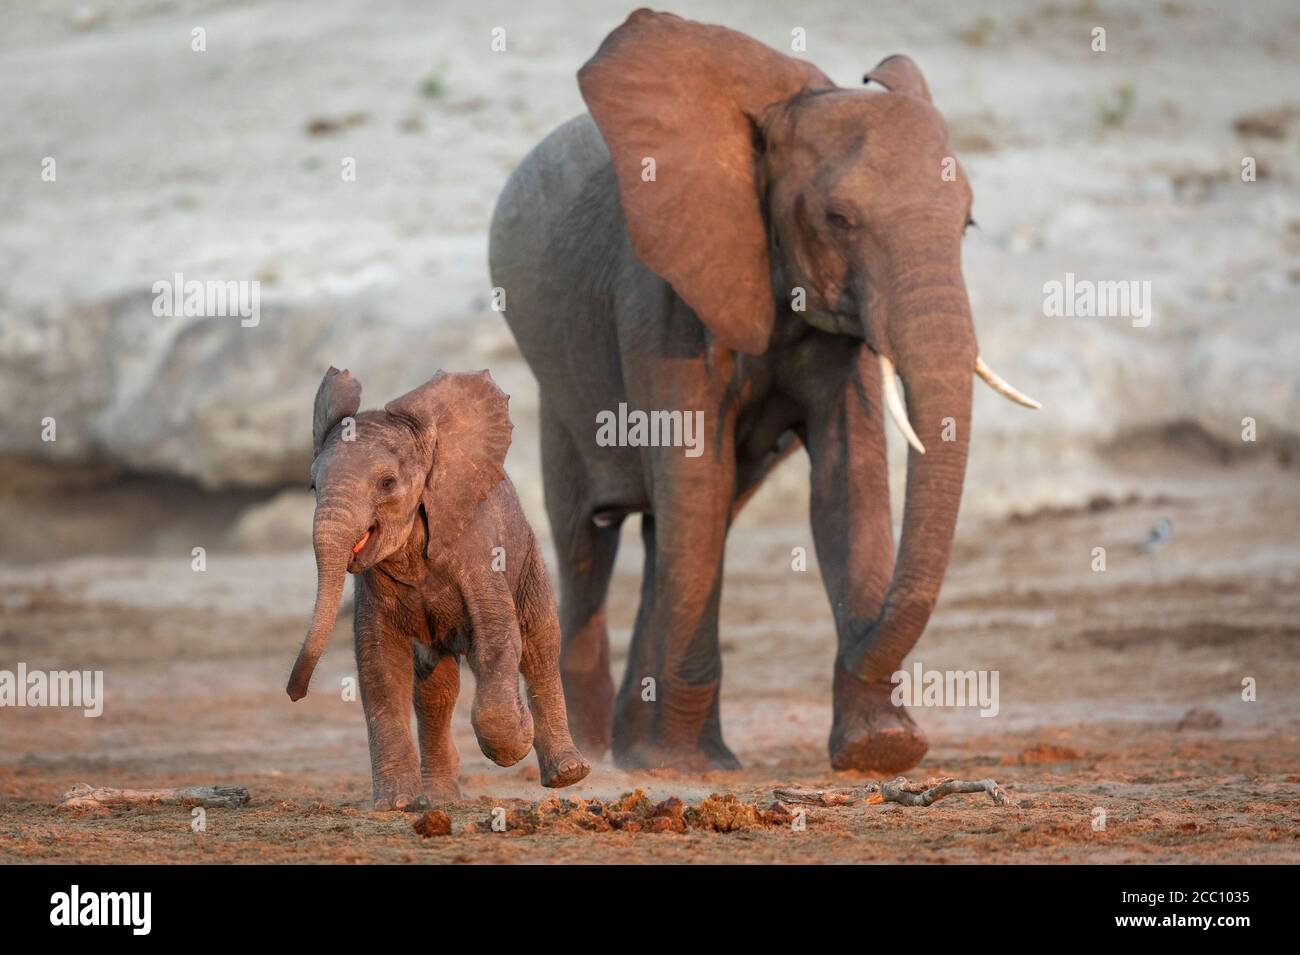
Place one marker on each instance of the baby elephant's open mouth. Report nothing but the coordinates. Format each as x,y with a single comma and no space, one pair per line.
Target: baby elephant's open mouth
357,560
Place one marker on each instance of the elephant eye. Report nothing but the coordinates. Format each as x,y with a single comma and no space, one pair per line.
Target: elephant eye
838,219
387,483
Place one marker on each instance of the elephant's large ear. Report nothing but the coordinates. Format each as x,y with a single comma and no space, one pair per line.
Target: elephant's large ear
466,420
899,74
690,98
338,397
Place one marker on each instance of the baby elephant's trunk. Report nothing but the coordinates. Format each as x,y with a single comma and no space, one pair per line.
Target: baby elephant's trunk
334,534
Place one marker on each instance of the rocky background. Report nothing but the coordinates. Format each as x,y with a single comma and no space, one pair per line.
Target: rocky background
225,164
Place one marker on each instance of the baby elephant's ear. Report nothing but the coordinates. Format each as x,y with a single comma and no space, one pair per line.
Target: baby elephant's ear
466,419
338,397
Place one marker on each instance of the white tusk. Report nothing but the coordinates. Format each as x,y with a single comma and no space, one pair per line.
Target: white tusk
894,402
998,384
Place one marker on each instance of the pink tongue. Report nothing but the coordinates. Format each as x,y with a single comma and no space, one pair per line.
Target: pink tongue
361,543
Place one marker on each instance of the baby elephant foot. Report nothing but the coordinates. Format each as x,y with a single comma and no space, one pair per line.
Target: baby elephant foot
869,733
563,769
505,734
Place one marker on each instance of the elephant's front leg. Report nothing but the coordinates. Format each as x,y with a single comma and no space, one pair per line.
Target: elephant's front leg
385,665
559,761
435,701
667,708
853,535
501,721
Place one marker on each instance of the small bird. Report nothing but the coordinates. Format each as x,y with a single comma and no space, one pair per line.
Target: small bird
1160,535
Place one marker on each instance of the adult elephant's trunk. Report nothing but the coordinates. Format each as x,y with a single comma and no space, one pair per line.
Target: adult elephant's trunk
933,340
335,532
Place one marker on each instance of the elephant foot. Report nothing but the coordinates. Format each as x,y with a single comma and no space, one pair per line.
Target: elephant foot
709,757
400,799
869,733
589,698
563,769
719,754
680,735
505,734
442,790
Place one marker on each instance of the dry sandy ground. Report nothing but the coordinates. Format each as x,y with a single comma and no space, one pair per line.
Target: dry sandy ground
1096,672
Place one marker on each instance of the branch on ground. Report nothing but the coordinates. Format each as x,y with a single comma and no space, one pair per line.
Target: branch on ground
817,797
926,794
85,796
900,791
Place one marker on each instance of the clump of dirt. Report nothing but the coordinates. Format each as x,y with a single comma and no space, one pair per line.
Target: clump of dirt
432,824
725,813
574,814
634,812
667,816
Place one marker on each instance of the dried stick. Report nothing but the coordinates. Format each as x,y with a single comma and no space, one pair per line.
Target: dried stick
913,794
85,796
816,797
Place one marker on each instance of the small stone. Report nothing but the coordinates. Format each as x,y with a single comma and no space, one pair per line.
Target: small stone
431,824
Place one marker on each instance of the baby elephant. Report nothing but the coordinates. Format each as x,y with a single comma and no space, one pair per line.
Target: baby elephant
414,500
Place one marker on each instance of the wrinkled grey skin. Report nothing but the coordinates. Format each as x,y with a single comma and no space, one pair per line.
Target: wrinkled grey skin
678,292
416,503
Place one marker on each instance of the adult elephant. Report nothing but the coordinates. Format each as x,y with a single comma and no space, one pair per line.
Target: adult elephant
729,232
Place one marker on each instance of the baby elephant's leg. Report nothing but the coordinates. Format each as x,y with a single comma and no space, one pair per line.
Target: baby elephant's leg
384,667
560,762
502,723
436,690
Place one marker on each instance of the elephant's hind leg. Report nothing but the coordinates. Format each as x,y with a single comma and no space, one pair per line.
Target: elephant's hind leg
673,720
435,701
667,709
585,563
